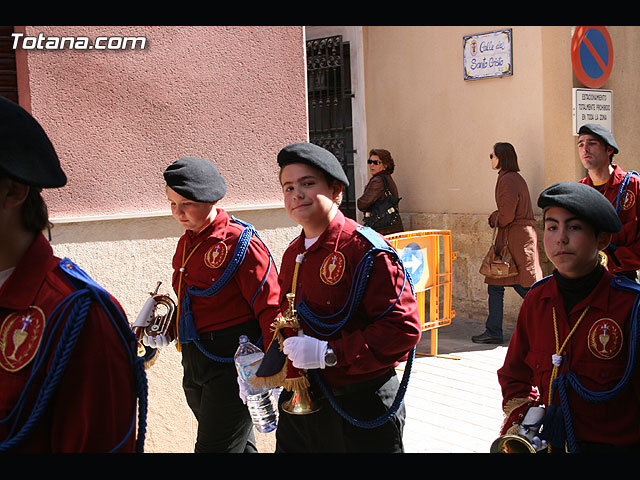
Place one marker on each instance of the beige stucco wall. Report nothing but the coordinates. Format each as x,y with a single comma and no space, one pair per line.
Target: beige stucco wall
128,257
237,95
441,128
234,95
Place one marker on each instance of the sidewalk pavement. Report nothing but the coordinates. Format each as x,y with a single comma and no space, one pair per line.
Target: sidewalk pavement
453,400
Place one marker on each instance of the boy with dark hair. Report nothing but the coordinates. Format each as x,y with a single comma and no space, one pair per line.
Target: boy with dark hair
356,310
571,360
596,147
69,369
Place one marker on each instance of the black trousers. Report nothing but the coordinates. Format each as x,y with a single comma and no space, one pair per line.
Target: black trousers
211,390
326,431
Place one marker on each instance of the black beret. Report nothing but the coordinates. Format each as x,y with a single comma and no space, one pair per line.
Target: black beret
26,153
196,179
585,201
312,154
600,131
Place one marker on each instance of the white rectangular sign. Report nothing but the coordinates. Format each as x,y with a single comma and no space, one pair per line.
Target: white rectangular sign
488,55
592,106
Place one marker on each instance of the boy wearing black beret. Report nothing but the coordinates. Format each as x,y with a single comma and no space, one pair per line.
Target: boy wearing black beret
70,378
596,147
569,362
227,285
357,312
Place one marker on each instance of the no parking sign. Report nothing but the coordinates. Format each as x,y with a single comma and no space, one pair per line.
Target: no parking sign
592,56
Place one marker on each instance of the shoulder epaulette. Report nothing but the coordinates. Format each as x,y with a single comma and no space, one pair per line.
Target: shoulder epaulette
66,322
373,237
541,281
624,283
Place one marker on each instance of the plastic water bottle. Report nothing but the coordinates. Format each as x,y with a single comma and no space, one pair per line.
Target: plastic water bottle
260,401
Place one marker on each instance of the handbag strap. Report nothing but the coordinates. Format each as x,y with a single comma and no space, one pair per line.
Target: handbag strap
495,235
505,235
387,192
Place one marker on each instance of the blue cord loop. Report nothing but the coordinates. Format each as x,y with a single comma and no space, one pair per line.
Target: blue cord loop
323,328
620,198
74,308
188,332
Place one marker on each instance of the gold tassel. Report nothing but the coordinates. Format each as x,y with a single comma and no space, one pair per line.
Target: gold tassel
509,407
149,364
277,379
296,384
274,381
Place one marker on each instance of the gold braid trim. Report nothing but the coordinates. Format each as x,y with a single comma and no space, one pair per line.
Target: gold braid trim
278,379
508,409
296,384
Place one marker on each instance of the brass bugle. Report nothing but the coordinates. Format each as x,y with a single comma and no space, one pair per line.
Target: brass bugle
300,402
159,320
162,317
512,444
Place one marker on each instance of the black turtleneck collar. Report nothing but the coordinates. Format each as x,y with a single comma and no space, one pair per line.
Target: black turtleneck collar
574,290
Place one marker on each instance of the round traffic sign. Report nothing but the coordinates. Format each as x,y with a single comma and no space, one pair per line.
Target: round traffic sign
592,56
413,260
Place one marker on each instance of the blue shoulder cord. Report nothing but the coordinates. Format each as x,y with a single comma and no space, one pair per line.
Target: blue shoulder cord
622,193
188,332
559,417
78,303
357,290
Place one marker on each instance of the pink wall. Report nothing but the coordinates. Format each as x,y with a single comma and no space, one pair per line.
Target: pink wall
234,95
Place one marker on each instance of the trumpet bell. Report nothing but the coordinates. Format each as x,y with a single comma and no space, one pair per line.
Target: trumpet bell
512,444
300,403
162,317
157,317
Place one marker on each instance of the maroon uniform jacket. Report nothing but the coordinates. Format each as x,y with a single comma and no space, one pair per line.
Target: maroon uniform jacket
627,241
598,361
252,293
93,407
385,326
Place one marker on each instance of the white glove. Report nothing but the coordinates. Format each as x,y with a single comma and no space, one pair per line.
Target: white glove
305,352
539,444
533,416
144,317
155,341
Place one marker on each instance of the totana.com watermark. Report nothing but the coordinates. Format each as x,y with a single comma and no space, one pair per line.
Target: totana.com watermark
43,42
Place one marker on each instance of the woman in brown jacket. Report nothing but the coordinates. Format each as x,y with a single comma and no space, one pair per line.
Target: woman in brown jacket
381,165
516,225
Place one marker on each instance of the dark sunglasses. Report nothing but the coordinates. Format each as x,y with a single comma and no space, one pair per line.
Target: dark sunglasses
375,162
491,156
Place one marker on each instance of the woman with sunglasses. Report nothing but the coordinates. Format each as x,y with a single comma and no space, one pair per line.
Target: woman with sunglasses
381,166
516,226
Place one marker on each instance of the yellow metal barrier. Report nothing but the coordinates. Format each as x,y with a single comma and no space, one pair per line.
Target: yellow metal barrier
427,256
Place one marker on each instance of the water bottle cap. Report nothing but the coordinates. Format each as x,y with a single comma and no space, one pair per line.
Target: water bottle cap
243,339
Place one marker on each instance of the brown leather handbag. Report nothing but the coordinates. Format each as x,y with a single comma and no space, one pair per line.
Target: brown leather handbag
500,265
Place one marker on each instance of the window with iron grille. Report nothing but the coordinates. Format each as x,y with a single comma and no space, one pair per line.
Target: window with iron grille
329,96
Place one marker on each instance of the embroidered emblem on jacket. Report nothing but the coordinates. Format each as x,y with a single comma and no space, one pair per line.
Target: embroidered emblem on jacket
605,339
332,268
20,336
215,256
